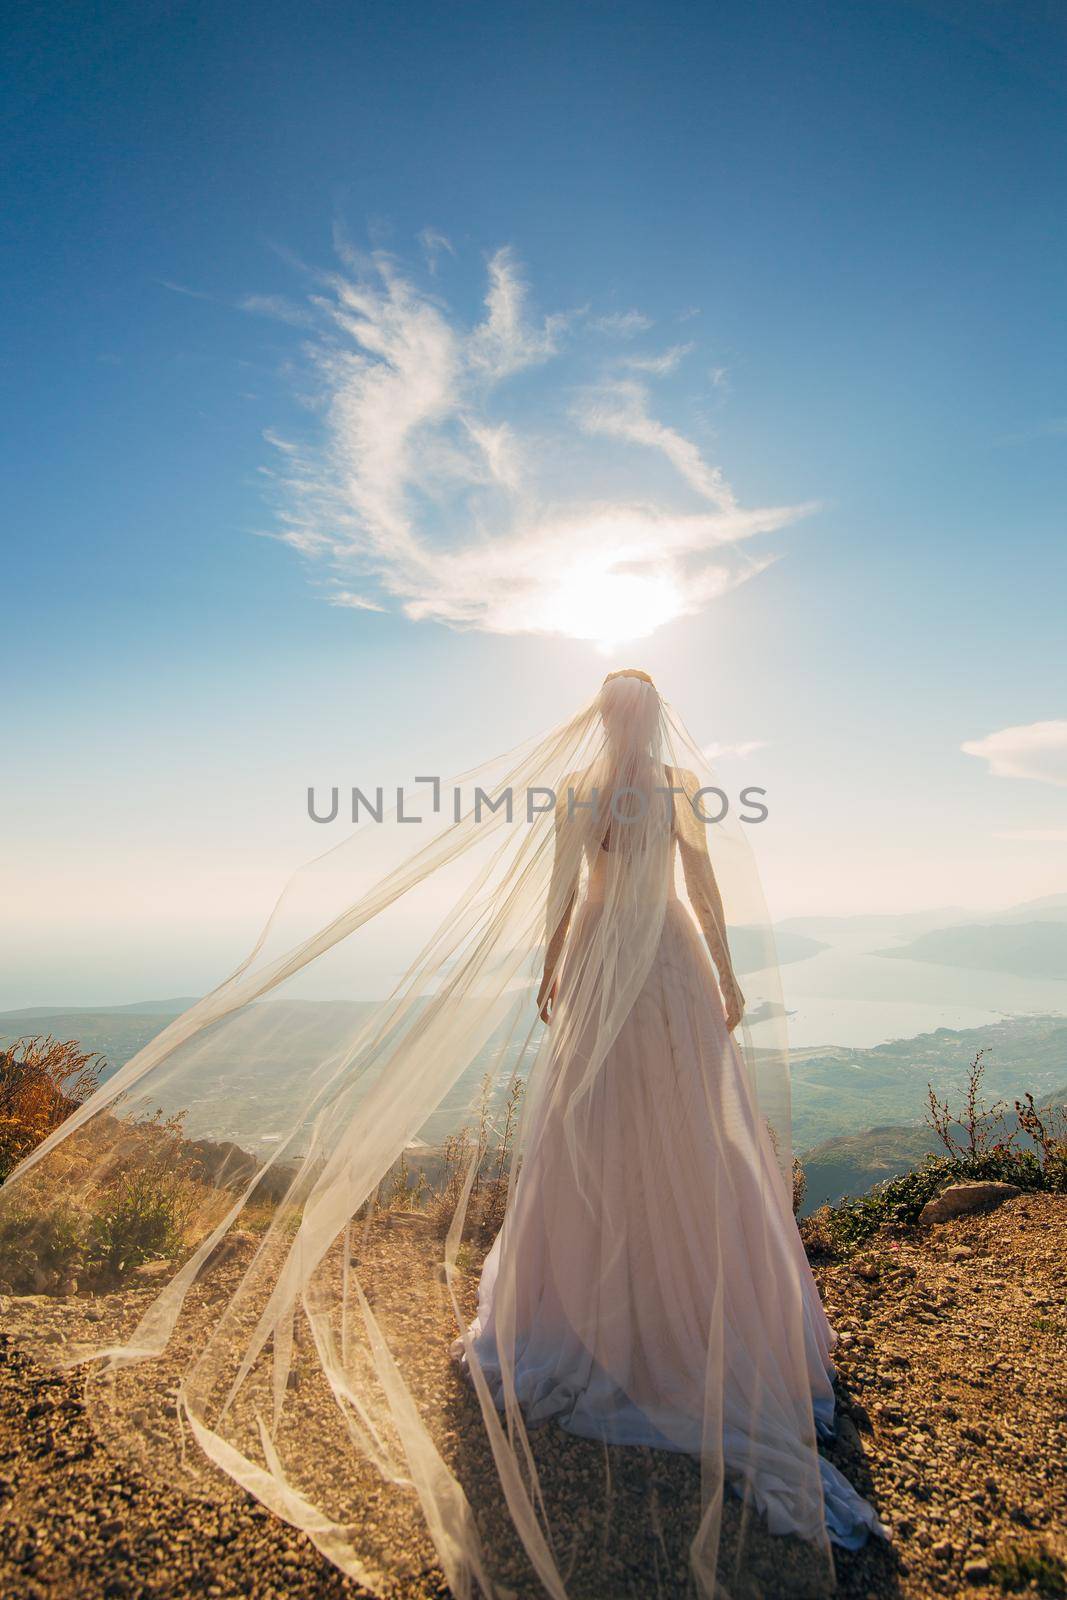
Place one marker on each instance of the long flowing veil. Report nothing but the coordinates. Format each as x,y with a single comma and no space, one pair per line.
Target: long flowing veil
264,1232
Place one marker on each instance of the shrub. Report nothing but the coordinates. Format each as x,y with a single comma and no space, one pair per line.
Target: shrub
897,1203
975,1156
488,1142
150,1203
42,1080
44,1250
800,1185
1035,1569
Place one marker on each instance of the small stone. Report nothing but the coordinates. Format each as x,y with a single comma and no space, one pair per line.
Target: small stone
152,1269
943,1550
976,1571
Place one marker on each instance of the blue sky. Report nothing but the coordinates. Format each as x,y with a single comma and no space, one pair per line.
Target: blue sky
850,221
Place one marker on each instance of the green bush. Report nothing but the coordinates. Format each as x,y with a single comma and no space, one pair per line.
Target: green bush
141,1225
977,1147
42,1251
896,1204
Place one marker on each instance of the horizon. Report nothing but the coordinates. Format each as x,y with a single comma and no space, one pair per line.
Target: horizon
144,1002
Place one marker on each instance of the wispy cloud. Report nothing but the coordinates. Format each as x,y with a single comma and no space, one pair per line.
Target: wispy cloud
278,307
1034,750
507,341
427,477
434,245
660,366
354,602
182,288
621,410
622,324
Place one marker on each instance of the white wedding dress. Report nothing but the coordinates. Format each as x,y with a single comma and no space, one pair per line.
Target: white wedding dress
683,1243
648,1285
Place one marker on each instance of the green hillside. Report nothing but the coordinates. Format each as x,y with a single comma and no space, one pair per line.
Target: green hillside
841,1091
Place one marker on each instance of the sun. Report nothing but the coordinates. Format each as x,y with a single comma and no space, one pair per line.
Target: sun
608,607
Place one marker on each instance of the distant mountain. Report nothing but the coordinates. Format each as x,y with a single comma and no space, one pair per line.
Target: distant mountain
156,1008
116,1034
1049,908
1021,949
863,931
852,1162
871,930
836,1090
748,948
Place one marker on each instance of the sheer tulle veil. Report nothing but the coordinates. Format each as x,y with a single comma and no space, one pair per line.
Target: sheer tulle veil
263,1233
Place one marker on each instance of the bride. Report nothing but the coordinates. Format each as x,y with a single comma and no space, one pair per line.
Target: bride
257,1268
649,1225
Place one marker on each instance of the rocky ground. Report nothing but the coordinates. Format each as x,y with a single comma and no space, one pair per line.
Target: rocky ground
953,1393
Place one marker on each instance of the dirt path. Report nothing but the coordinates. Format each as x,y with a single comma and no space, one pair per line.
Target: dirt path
954,1402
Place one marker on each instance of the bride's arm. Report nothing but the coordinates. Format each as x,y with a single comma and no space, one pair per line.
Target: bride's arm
562,894
704,896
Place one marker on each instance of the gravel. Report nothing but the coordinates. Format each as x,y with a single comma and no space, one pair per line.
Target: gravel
953,1422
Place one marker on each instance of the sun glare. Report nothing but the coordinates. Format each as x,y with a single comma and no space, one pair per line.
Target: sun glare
611,608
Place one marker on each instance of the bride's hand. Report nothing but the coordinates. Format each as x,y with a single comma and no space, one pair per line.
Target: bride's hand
734,1002
546,999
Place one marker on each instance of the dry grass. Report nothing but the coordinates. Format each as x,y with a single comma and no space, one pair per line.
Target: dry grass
42,1080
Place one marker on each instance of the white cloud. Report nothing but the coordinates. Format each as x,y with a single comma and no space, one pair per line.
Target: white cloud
424,479
354,602
434,244
506,341
621,409
181,288
1034,750
660,366
276,305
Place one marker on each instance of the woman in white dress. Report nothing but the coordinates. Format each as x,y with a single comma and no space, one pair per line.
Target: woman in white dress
258,1310
657,1225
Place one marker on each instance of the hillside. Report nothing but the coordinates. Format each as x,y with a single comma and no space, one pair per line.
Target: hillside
852,1163
838,1092
841,1091
940,1333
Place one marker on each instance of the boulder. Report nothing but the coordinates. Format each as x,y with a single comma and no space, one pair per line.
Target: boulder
959,1199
